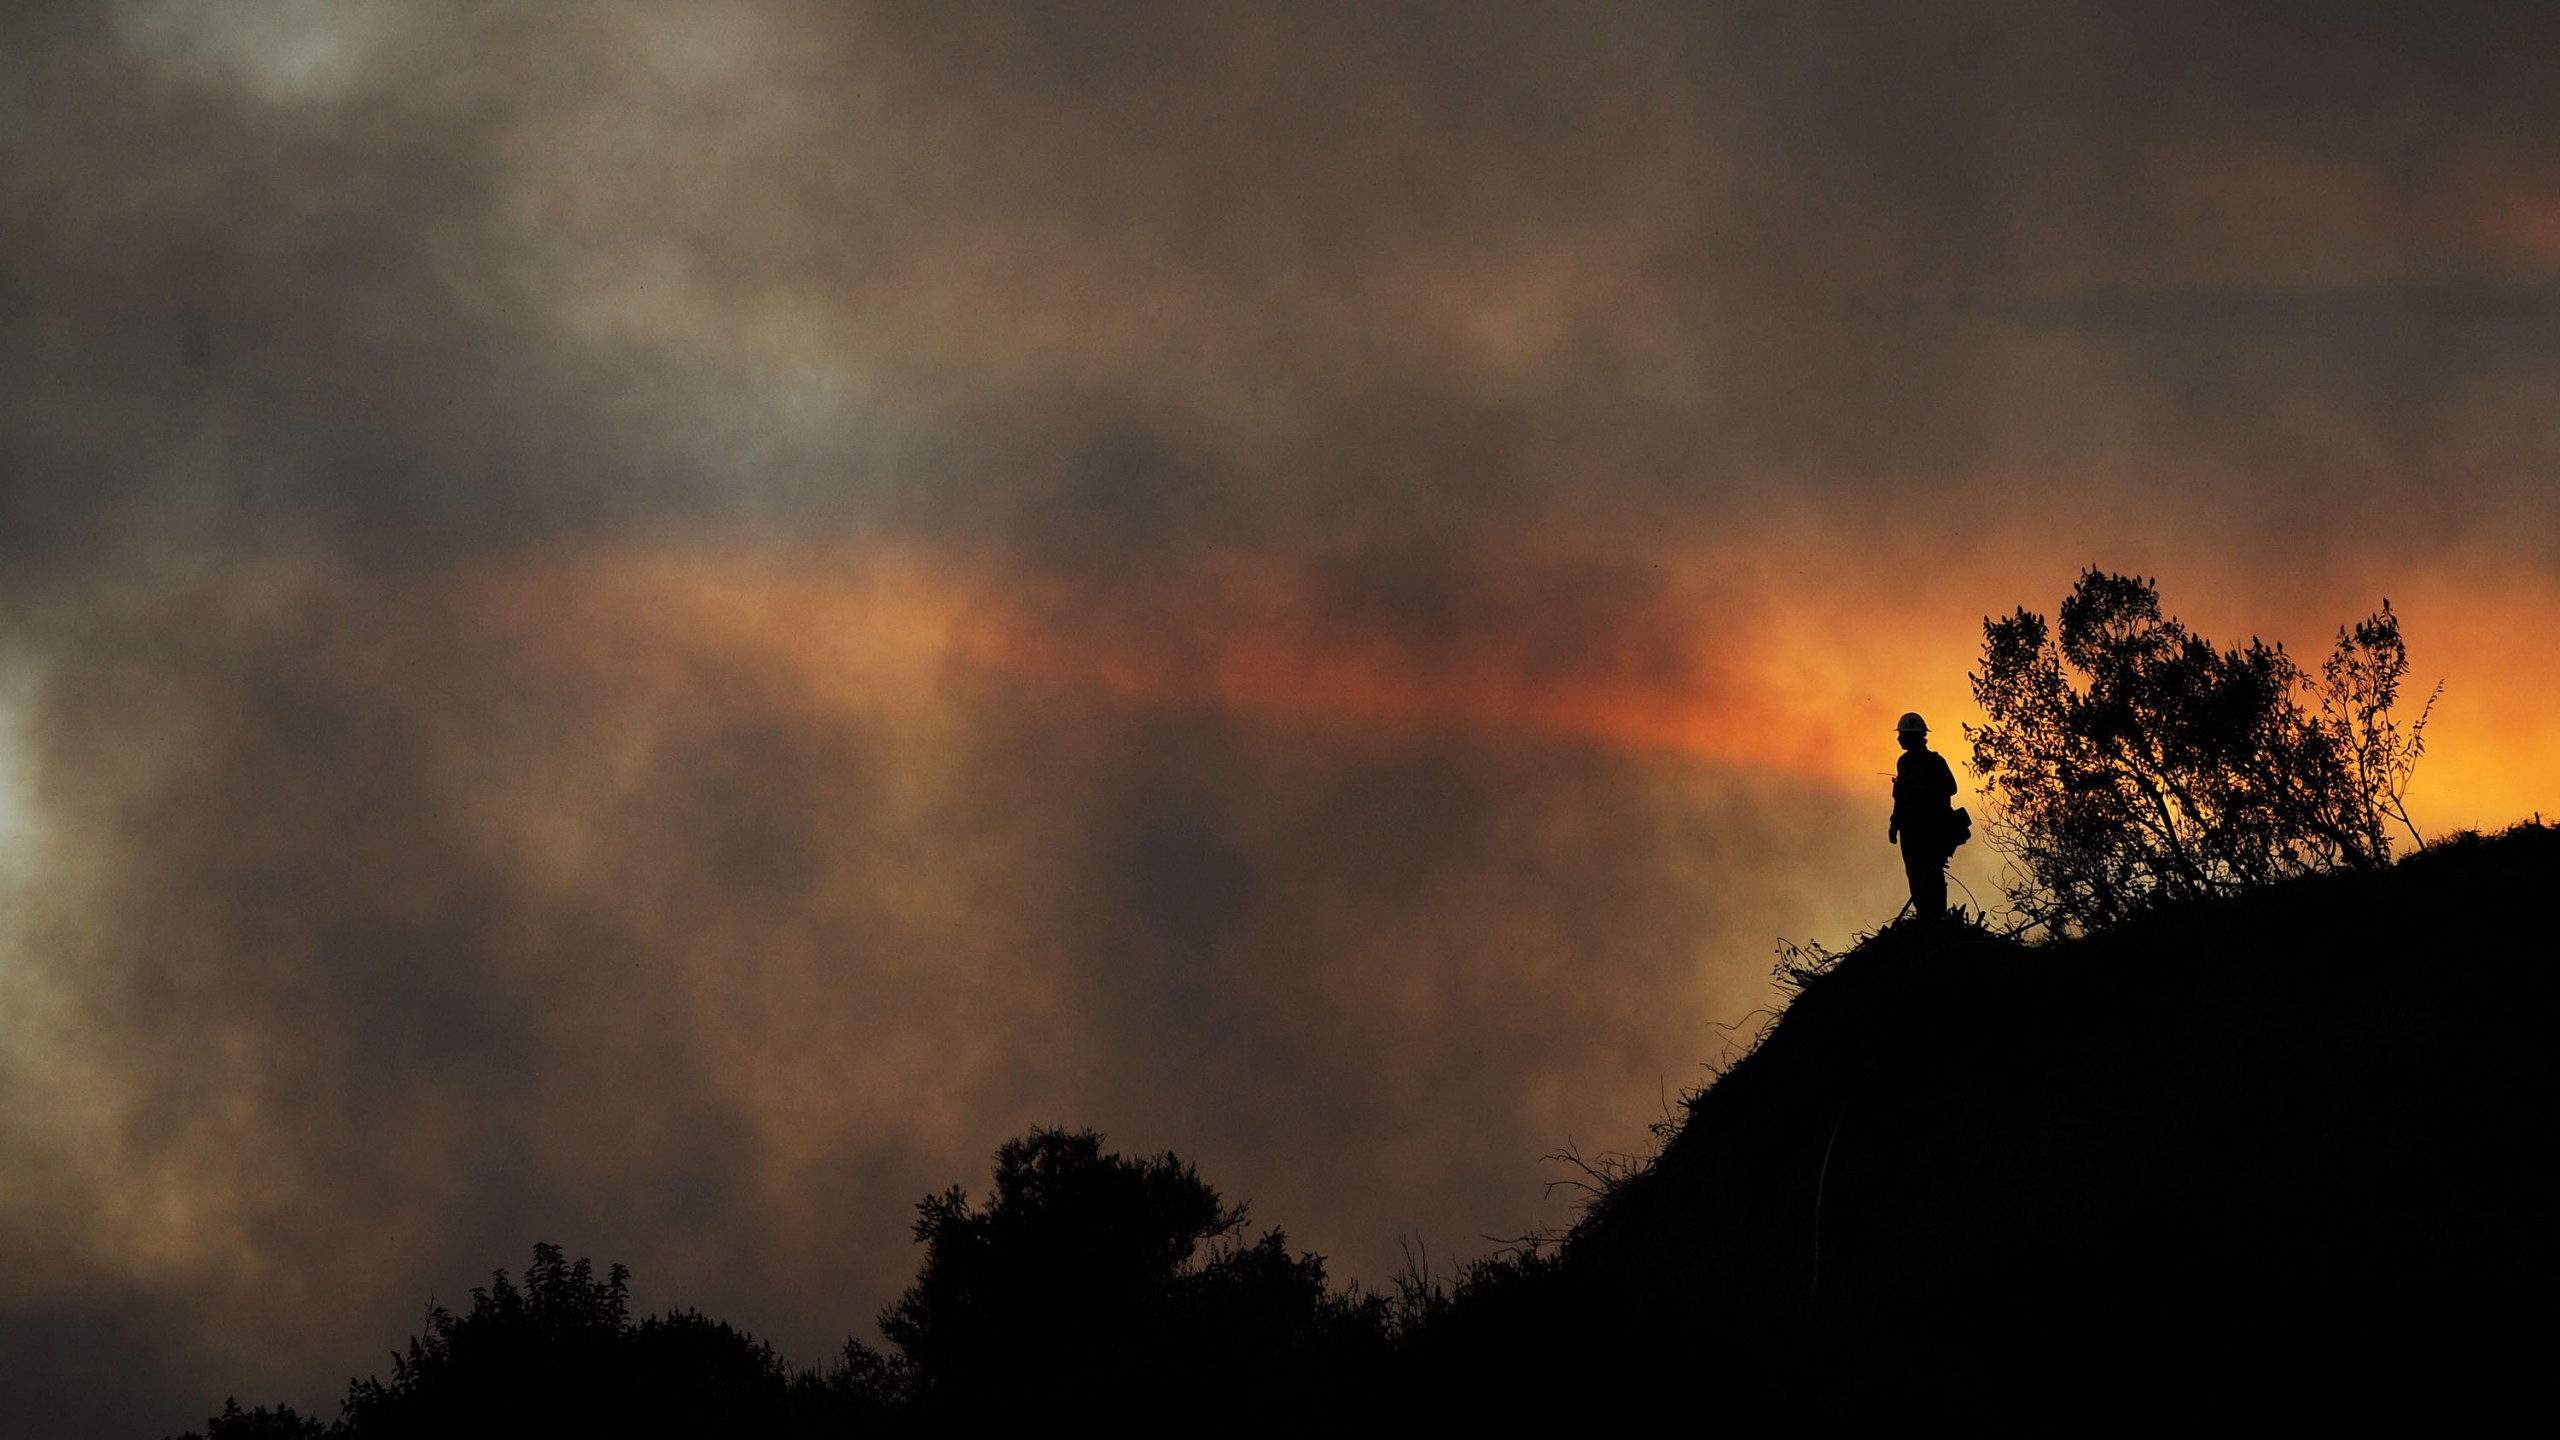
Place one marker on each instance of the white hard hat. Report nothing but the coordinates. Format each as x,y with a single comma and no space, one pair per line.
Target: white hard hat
1911,724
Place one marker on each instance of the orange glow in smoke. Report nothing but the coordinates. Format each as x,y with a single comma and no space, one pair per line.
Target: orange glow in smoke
1808,689
886,633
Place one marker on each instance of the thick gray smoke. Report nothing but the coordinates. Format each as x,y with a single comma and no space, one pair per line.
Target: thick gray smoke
653,625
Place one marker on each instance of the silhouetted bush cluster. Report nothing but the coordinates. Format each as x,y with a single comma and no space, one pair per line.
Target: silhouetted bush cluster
560,1355
2129,762
1086,1282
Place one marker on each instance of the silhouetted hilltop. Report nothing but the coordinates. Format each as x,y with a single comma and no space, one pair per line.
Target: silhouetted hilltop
2286,1155
2293,1149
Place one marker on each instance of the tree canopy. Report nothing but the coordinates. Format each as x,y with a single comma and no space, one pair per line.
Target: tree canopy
1092,1277
2127,760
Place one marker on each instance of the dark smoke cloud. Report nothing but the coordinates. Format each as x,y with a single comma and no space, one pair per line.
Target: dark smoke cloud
398,951
521,273
391,885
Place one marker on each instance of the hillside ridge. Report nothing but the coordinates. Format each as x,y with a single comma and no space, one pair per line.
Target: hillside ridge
2302,1132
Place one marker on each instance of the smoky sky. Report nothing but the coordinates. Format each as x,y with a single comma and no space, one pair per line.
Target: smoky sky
653,626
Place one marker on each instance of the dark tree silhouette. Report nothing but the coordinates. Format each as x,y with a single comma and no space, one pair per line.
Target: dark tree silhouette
561,1356
2128,761
2359,692
1087,1283
1092,1280
262,1423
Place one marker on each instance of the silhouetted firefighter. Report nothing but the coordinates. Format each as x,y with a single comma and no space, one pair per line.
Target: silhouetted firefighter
1927,827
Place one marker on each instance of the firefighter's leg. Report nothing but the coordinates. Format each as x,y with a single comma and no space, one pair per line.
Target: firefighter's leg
1927,873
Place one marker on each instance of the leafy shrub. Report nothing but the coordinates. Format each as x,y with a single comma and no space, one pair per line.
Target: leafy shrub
1089,1280
2127,760
262,1423
560,1355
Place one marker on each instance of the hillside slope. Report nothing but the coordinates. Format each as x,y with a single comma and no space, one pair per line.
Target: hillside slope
2291,1151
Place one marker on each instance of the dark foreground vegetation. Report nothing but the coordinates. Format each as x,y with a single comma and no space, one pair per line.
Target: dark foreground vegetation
2290,1153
